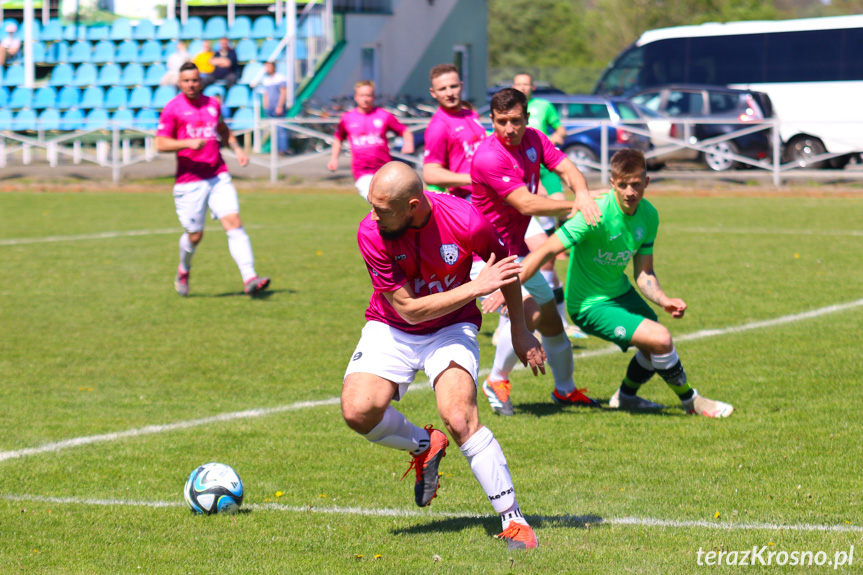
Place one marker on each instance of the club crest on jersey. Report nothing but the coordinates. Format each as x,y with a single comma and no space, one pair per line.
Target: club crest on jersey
531,154
212,111
639,234
378,123
449,253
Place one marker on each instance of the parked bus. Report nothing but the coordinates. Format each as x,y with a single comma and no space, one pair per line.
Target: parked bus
812,69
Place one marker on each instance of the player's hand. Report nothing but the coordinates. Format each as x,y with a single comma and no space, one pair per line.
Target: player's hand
528,350
497,274
333,164
675,306
241,157
408,149
196,143
279,111
492,302
588,209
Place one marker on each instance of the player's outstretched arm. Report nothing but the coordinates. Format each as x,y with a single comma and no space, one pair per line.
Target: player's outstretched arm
408,147
648,283
333,164
574,179
417,309
166,144
437,175
527,348
533,205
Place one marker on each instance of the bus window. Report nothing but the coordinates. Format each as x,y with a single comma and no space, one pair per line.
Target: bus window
852,61
812,56
624,75
726,59
665,62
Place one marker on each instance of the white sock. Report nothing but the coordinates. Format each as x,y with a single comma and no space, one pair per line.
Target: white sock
240,247
644,362
663,361
397,432
187,250
558,351
550,278
561,310
504,355
488,464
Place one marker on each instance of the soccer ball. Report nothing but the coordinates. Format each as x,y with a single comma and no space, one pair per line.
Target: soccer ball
214,488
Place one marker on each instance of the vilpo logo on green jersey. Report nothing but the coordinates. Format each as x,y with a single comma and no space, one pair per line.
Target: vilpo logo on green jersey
614,258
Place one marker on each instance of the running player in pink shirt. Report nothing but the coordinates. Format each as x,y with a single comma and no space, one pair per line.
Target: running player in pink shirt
418,248
191,125
505,174
365,127
452,135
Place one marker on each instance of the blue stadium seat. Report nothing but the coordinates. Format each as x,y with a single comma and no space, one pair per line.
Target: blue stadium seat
19,34
58,52
267,49
151,51
49,120
14,75
123,117
71,120
21,97
216,27
144,30
52,32
96,120
141,97
193,28
103,52
303,28
302,50
194,47
169,30
62,75
40,53
4,97
133,75
147,119
246,50
281,29
5,119
243,119
215,90
121,29
68,97
70,33
250,70
163,95
265,27
25,121
45,97
126,52
93,97
109,75
154,75
116,97
241,28
170,48
237,97
80,52
98,32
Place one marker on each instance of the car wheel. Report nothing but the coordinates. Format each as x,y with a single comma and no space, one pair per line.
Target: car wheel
714,156
800,151
581,154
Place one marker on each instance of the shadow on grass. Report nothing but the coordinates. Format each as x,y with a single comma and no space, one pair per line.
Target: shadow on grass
492,526
549,408
262,295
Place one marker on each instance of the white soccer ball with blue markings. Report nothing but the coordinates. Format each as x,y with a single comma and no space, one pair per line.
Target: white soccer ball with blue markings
214,488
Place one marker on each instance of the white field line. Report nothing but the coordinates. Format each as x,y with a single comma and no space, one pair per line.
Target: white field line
261,412
762,231
384,512
102,236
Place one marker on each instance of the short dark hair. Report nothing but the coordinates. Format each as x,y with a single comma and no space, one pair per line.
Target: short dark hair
507,99
442,69
627,162
188,66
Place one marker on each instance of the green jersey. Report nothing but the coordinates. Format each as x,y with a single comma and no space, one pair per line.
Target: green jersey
599,254
543,116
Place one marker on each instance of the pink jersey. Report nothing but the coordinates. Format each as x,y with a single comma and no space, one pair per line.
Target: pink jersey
367,135
451,139
432,259
184,119
498,170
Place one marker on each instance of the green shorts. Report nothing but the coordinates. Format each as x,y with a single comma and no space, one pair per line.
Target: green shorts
550,181
615,320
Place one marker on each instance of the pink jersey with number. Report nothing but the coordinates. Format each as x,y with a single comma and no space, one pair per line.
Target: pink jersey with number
367,135
451,139
498,170
184,119
431,259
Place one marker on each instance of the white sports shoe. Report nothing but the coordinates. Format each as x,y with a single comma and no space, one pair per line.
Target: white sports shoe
574,332
698,405
631,402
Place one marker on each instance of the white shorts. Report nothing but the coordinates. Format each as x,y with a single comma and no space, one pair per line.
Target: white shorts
193,198
536,287
534,228
363,184
397,356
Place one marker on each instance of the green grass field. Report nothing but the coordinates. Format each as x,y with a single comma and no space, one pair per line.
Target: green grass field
94,341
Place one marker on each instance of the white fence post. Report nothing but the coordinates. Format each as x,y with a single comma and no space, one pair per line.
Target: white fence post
115,153
2,152
777,154
27,154
603,161
76,152
274,153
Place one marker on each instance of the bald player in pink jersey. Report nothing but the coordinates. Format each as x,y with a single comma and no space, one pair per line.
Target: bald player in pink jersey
418,249
452,136
191,125
366,127
505,175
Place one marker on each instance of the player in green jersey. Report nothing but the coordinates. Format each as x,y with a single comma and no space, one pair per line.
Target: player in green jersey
602,302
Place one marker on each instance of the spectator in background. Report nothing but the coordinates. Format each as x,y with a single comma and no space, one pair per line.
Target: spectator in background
274,89
175,60
225,65
202,61
10,45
